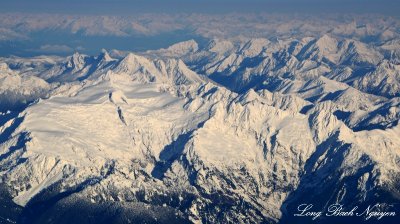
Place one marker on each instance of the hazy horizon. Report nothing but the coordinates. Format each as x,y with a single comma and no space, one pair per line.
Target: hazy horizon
124,7
29,28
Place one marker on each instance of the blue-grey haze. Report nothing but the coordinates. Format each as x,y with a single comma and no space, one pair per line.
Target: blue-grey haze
391,7
53,41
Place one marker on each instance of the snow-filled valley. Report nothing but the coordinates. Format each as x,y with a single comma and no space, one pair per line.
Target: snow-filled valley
231,131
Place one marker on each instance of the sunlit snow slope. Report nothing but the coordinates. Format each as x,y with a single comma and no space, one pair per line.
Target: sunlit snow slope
243,134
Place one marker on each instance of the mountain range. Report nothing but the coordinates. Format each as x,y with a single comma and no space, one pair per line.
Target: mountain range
234,130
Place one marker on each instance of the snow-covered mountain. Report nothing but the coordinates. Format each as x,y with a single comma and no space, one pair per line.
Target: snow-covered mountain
234,131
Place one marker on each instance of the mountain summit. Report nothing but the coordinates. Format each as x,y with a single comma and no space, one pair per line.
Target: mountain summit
235,130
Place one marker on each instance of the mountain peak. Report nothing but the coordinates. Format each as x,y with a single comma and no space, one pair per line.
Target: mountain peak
183,47
254,47
4,68
133,61
104,56
220,46
327,42
76,61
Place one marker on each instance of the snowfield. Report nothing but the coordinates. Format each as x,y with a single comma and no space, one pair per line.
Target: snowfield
235,131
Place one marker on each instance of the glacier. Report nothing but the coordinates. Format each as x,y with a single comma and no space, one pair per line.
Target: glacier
231,131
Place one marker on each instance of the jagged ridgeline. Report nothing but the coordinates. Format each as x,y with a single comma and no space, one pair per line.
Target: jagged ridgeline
239,131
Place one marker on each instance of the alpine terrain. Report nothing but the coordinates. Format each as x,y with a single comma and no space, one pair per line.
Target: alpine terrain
227,130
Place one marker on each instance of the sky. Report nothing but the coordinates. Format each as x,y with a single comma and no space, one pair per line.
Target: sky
388,7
